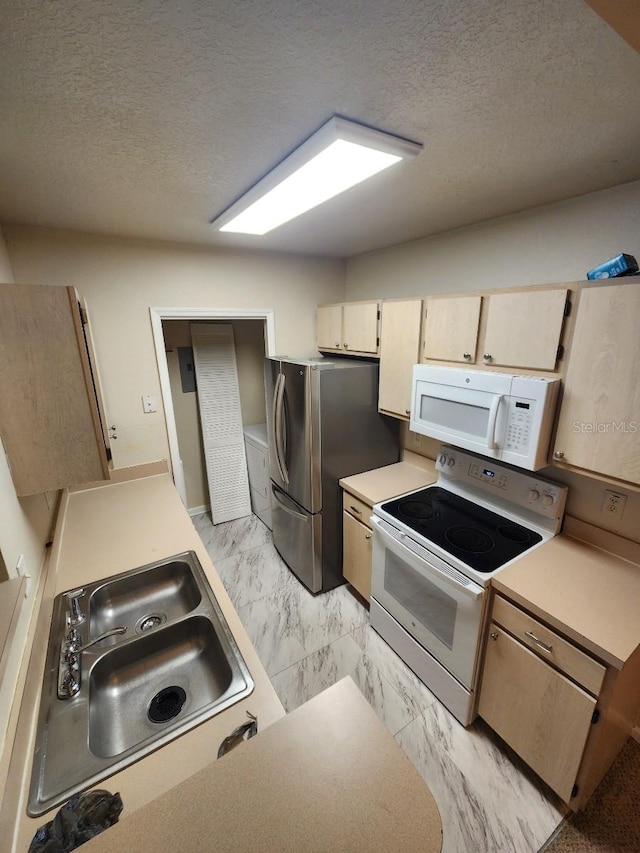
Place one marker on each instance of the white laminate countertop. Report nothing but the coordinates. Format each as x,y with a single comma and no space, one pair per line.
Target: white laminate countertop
329,774
103,531
328,777
586,592
383,483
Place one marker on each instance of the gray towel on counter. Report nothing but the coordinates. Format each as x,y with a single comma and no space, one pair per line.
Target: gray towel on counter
79,820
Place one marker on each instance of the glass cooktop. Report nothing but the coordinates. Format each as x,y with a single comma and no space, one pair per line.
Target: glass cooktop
477,536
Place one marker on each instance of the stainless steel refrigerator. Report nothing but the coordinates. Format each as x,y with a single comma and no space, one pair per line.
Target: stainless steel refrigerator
323,424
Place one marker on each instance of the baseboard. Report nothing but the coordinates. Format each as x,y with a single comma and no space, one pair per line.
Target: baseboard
198,510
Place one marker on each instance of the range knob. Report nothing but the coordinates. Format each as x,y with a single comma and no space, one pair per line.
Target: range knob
451,461
443,459
548,500
534,494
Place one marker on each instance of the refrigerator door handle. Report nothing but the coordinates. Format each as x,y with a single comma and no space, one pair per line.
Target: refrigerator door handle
288,508
278,420
274,410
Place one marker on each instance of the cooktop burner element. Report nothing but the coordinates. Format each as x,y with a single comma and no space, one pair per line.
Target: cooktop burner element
469,539
478,537
418,509
515,533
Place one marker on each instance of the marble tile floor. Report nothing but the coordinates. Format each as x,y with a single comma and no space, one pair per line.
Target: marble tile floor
489,801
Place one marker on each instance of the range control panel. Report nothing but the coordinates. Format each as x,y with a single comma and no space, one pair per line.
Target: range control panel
506,483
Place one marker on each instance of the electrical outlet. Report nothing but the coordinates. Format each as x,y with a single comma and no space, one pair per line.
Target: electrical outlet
614,503
149,404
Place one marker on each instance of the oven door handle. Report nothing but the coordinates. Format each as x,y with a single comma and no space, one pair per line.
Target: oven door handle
450,576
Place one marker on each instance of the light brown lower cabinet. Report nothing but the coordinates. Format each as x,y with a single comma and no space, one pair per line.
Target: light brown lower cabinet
542,715
356,548
565,713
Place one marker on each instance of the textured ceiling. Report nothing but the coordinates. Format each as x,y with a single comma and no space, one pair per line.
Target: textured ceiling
148,118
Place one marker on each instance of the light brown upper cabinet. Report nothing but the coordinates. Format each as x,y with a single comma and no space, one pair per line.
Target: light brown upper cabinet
523,329
515,330
351,328
50,421
399,351
451,328
599,423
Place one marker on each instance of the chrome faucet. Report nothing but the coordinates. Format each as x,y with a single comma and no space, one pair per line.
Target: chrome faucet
75,616
69,675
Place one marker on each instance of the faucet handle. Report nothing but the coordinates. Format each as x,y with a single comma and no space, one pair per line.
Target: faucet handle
69,684
75,614
72,637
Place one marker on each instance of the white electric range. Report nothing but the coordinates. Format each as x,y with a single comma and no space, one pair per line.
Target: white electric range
435,551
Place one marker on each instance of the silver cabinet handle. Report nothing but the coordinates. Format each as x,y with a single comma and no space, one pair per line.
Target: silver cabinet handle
467,355
494,635
407,411
368,536
539,643
357,511
559,454
487,357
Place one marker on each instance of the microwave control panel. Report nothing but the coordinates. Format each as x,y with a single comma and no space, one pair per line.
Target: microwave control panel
520,418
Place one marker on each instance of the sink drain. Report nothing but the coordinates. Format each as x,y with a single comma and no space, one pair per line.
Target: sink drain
166,704
148,623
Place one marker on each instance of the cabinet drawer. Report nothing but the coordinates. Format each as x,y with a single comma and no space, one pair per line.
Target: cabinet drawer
357,508
549,645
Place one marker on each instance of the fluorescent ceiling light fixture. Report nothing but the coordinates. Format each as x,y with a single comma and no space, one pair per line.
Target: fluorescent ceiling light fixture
339,155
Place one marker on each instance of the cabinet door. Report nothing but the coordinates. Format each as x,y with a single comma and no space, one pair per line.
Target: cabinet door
599,417
329,327
451,328
399,351
49,419
360,327
524,329
542,715
356,564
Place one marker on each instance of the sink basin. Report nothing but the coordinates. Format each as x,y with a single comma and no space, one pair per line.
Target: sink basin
176,666
144,599
140,686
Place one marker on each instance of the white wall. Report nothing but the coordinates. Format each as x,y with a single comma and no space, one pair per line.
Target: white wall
559,242
121,279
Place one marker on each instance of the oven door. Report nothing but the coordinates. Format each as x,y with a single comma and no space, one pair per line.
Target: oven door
435,603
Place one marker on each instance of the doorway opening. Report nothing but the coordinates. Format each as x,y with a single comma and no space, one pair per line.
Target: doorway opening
255,338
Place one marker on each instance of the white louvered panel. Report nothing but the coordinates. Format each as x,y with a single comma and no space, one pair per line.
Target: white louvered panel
219,401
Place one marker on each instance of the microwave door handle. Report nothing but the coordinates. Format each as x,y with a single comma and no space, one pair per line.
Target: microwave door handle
493,416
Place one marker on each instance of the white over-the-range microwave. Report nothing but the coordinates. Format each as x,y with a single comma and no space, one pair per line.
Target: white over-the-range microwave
499,415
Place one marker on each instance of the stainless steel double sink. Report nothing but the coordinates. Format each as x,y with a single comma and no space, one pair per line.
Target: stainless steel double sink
176,665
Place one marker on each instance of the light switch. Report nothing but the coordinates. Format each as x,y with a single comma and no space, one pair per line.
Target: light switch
149,403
